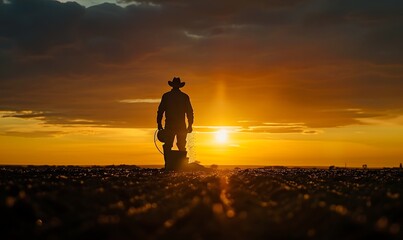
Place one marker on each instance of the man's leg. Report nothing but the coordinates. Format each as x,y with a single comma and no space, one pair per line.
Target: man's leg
181,140
169,141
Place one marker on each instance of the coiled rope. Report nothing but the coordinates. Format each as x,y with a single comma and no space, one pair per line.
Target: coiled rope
155,141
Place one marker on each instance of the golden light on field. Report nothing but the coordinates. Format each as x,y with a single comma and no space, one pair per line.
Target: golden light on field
221,136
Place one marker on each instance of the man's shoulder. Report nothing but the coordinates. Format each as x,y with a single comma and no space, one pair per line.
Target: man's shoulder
166,94
184,94
176,93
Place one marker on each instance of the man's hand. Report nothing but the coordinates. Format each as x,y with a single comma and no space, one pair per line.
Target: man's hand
190,129
160,126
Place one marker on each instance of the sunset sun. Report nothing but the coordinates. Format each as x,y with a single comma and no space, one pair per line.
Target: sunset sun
221,136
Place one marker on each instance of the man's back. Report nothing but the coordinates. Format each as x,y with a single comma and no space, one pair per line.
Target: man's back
176,104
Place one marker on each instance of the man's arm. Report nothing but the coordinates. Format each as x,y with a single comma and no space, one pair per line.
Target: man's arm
189,114
160,112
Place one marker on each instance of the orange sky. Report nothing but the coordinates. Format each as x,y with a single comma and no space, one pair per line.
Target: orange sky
296,82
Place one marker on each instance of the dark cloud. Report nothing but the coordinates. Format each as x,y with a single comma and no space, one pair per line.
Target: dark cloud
28,114
283,61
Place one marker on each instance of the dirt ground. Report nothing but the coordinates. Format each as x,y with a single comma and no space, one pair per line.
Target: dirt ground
126,202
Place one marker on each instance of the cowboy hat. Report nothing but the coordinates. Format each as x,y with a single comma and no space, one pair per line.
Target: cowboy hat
176,83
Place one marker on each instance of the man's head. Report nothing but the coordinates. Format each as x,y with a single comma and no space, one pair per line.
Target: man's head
176,83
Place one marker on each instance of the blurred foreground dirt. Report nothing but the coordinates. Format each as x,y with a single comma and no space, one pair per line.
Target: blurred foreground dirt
133,203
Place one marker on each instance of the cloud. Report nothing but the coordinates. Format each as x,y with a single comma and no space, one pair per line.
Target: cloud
213,129
32,134
26,114
143,100
89,3
52,118
287,61
270,127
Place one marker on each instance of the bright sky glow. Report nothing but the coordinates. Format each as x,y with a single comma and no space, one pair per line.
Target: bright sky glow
29,141
221,136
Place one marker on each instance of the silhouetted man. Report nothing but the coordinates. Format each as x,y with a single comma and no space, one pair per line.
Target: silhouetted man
176,104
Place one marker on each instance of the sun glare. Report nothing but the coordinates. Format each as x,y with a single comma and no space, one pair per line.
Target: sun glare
221,136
